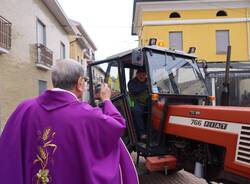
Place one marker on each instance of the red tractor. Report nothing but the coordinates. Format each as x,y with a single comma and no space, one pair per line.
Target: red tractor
180,121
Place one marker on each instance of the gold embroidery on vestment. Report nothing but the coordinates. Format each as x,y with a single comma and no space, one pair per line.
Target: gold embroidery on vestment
43,156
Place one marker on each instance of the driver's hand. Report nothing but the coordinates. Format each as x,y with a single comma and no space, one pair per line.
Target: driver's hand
105,92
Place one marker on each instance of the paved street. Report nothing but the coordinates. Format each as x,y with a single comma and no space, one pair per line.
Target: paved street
181,177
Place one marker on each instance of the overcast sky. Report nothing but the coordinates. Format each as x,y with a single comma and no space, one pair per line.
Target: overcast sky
108,23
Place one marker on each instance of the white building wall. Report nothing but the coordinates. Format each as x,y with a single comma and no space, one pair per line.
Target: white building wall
23,15
18,73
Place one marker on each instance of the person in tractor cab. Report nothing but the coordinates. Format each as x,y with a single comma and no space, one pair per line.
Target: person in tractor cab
138,91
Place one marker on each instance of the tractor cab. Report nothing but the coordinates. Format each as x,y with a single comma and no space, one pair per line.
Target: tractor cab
173,77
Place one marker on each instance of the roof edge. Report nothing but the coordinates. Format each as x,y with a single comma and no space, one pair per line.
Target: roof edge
84,35
56,9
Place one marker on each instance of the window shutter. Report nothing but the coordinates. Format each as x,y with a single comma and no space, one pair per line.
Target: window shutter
222,41
175,40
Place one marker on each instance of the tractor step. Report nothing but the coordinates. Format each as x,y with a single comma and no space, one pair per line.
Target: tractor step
161,163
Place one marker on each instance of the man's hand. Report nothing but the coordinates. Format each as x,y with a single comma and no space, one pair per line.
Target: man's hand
105,92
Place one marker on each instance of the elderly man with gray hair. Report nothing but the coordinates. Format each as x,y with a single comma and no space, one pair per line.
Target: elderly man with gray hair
56,138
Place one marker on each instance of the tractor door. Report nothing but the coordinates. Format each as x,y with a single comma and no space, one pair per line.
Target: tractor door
110,72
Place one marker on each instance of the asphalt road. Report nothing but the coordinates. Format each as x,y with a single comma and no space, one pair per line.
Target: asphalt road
181,177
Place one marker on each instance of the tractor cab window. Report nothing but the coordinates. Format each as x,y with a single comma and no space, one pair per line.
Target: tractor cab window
98,75
105,72
172,74
112,78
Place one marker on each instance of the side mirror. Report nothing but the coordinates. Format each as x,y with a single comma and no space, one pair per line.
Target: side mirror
137,57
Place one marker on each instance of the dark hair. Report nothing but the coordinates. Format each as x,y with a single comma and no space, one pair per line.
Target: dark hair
141,70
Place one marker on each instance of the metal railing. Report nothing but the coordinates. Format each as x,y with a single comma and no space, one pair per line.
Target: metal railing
5,33
44,55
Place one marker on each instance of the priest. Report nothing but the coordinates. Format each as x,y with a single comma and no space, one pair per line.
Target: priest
57,139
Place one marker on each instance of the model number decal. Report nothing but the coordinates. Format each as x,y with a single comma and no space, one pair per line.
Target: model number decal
196,122
210,124
230,127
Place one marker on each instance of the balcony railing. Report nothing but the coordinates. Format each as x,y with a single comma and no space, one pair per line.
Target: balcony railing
44,57
5,35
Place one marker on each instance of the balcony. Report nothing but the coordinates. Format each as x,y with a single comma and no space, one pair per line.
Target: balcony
5,35
44,57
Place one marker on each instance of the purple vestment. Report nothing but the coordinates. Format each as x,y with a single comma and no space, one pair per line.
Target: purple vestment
56,139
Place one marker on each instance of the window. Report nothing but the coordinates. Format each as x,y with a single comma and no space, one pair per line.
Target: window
222,41
93,74
239,88
221,13
89,52
175,40
108,72
175,75
174,15
41,32
62,50
113,79
42,86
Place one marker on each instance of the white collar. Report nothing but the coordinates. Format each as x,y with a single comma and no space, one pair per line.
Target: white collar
59,89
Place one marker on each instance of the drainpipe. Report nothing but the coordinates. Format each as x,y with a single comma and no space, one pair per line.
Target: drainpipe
248,33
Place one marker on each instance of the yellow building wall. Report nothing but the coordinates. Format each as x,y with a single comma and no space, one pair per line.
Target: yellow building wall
194,14
75,50
201,36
